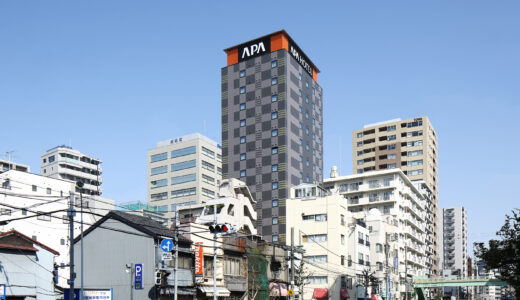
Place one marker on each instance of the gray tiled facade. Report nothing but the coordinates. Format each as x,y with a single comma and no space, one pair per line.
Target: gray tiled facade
292,105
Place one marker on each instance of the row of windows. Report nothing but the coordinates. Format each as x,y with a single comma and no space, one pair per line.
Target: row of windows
243,89
274,150
208,193
183,152
174,180
274,64
274,168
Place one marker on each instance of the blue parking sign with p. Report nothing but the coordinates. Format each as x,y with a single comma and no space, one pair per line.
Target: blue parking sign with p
138,277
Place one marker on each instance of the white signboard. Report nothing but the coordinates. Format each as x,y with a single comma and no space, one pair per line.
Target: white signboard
107,295
166,256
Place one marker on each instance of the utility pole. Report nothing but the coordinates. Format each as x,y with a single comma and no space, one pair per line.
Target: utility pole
176,252
131,281
215,296
292,260
71,213
405,272
387,253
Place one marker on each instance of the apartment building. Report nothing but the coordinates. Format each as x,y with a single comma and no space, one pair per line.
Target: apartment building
63,162
410,145
332,251
183,171
455,241
401,206
430,215
271,123
6,165
43,202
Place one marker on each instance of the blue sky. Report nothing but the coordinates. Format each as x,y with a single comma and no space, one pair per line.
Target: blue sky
114,77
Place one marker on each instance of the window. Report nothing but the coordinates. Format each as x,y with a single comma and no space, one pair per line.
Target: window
359,144
391,137
5,212
391,166
391,128
274,203
306,83
274,150
232,266
62,242
208,152
274,185
300,76
343,239
158,157
343,262
159,170
275,238
208,193
274,168
41,216
379,248
184,178
274,115
208,179
274,132
274,64
208,166
243,173
49,191
242,123
379,266
51,158
158,183
242,90
242,106
306,99
242,73
219,171
159,196
415,162
274,98
274,80
275,220
414,153
242,156
317,238
183,151
360,259
414,143
359,135
242,140
299,92
317,280
391,156
415,172
34,188
24,212
183,165
162,208
183,192
414,133
360,162
317,259
391,147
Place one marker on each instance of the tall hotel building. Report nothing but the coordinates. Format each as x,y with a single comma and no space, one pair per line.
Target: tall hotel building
410,145
271,124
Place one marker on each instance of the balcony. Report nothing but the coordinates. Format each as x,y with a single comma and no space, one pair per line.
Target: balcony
361,241
367,243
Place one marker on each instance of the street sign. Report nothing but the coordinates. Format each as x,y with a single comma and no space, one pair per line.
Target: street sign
104,294
199,259
396,262
2,291
290,292
138,284
166,256
167,245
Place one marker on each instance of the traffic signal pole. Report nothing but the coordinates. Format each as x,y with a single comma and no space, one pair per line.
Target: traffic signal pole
215,253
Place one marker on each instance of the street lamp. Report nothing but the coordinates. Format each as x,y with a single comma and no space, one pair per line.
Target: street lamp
80,184
129,270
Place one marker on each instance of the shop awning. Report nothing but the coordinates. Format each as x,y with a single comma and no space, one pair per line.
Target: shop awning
376,297
169,290
320,293
343,293
277,289
222,291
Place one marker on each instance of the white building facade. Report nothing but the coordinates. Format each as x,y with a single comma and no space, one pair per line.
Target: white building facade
63,162
183,171
42,203
455,232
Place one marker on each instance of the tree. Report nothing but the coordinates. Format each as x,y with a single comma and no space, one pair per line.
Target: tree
369,280
301,277
504,254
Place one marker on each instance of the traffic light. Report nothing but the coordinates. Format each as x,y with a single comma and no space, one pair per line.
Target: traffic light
158,278
223,228
55,274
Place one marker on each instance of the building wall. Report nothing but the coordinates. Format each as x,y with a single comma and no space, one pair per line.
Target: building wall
455,239
63,162
202,173
407,144
107,251
44,194
277,96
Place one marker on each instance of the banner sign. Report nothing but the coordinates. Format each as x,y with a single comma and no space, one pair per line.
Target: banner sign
300,57
138,284
199,259
254,48
2,291
103,294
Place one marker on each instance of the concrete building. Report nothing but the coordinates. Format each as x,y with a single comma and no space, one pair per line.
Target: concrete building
401,206
46,200
26,267
430,216
455,240
323,227
271,123
63,162
6,165
183,171
114,245
410,145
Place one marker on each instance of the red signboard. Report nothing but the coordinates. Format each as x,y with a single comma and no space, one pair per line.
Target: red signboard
199,259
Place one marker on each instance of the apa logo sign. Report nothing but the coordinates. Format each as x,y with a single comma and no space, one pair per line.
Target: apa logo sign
254,48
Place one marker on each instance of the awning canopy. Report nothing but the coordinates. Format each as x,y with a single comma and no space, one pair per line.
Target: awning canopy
343,294
376,297
222,291
277,289
320,293
170,290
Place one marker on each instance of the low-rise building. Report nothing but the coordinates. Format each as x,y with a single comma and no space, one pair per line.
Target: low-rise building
6,165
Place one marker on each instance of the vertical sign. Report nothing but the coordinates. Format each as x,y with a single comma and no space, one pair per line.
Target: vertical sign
2,291
199,259
138,277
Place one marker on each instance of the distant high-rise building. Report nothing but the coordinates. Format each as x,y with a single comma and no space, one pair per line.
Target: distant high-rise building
410,145
63,162
183,171
271,124
455,230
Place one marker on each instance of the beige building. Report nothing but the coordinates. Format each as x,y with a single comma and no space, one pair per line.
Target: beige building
183,171
410,145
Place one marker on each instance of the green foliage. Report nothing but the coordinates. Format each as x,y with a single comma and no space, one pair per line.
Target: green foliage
504,254
258,283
